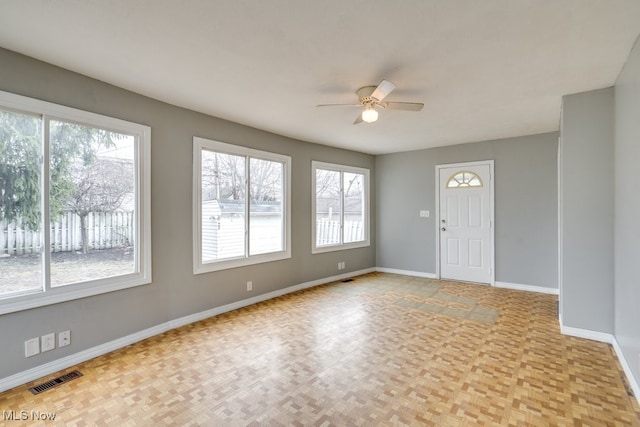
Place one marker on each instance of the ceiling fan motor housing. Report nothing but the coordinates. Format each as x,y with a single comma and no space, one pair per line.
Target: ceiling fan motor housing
364,93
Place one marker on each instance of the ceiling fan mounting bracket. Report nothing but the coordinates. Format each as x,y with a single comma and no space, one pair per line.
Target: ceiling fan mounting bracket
364,93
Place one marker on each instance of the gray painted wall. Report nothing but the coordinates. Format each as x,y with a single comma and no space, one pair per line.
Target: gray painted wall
586,221
627,210
525,207
175,291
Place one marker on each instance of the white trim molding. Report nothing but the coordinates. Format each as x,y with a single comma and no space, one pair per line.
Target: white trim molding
608,339
54,366
527,288
405,272
587,334
627,369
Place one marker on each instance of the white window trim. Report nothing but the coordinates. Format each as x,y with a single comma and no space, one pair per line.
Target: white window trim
367,208
200,267
142,275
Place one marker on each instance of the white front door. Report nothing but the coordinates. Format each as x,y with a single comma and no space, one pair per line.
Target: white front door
466,221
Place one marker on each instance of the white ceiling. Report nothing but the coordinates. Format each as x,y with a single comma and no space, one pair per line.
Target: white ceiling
484,69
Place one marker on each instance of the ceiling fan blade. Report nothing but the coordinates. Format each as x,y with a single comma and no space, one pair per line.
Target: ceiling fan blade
406,106
359,119
384,88
339,105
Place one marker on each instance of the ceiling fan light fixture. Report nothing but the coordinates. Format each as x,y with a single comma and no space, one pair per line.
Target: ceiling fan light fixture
371,97
369,115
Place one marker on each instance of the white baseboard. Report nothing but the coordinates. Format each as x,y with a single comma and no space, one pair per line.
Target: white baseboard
587,334
627,369
54,366
405,272
506,285
528,288
608,339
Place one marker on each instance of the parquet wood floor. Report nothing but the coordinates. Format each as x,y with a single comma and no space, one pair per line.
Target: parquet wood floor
381,350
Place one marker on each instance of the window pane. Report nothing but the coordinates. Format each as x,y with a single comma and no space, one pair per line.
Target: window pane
328,215
266,209
464,180
20,196
353,207
223,206
92,203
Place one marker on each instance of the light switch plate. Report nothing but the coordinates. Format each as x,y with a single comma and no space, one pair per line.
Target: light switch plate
424,214
31,347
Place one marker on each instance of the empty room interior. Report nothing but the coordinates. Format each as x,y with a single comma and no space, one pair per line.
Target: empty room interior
319,213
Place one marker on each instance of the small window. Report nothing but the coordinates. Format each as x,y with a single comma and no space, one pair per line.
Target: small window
464,179
340,207
241,206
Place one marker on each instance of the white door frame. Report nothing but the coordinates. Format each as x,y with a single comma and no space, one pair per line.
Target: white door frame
492,262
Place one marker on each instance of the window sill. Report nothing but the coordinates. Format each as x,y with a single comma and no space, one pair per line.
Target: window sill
239,262
334,248
71,292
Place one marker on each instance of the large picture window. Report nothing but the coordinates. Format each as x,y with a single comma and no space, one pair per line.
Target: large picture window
340,207
74,203
241,211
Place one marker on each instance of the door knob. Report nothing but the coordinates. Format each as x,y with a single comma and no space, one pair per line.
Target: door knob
443,229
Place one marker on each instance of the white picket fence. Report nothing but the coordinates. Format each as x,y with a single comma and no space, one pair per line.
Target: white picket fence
328,232
105,231
116,229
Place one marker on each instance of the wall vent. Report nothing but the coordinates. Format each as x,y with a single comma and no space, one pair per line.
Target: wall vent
55,382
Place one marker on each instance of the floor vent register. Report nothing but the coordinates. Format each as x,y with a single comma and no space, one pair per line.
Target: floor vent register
55,382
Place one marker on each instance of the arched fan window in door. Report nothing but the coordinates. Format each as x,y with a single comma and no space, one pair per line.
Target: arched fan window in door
464,179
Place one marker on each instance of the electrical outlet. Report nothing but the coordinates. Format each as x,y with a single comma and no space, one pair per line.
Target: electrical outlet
341,265
249,286
64,338
32,347
48,342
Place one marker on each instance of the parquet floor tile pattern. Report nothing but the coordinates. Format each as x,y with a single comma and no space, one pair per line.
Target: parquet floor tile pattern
369,352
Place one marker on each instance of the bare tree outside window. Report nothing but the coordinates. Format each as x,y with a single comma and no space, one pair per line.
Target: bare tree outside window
328,207
353,207
99,183
266,207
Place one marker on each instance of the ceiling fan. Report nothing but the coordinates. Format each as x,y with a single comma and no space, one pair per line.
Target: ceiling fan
371,98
